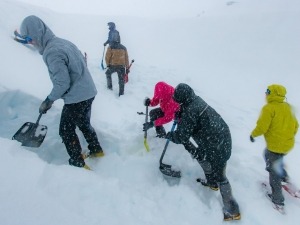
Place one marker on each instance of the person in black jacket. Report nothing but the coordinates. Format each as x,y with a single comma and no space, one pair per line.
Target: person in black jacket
211,146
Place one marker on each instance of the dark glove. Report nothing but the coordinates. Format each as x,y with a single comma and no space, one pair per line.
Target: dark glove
173,137
169,136
178,115
160,131
127,70
45,106
147,101
104,44
148,125
252,138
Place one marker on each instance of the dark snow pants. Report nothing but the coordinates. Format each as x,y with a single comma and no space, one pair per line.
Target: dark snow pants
78,115
216,174
120,70
277,173
154,115
215,171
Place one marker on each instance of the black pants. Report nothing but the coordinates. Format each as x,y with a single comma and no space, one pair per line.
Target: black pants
155,114
216,174
78,115
215,171
120,70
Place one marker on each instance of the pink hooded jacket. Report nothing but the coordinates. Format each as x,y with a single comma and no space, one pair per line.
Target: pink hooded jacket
163,93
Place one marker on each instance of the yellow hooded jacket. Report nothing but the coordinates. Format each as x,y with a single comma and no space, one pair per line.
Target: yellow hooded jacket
277,122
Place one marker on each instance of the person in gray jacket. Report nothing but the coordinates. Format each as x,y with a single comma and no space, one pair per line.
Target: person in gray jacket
199,122
72,82
113,34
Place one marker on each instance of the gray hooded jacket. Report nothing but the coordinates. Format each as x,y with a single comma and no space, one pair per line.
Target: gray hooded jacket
71,78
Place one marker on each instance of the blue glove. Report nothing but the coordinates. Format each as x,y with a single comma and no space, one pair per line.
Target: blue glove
252,138
45,106
148,125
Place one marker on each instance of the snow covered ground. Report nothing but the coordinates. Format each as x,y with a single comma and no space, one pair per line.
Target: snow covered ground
228,51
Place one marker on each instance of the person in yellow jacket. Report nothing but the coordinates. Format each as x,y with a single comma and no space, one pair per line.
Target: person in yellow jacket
279,126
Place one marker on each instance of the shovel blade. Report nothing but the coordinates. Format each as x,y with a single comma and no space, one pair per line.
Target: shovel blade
31,134
167,170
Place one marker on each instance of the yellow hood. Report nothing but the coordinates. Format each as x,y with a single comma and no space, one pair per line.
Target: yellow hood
277,93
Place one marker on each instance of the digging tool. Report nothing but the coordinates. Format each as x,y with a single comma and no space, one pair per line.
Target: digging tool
102,66
31,134
126,74
165,168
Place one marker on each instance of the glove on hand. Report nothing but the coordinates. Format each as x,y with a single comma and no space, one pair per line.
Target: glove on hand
45,106
104,44
147,101
178,115
127,70
169,136
252,139
148,125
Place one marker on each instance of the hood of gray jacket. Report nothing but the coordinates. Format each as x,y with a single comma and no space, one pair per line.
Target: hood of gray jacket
38,31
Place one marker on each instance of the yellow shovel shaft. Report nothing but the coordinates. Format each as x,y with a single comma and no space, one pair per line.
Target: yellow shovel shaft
146,145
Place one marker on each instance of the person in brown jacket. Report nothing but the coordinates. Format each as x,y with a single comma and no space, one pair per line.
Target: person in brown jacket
117,62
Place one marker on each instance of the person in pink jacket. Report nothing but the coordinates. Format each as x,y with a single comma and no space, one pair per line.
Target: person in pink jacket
163,93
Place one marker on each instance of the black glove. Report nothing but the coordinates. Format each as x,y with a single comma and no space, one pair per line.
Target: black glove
127,70
178,115
104,44
148,125
169,136
252,138
147,101
45,106
160,131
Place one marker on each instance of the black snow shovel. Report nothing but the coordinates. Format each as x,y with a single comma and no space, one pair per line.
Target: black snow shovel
165,168
31,134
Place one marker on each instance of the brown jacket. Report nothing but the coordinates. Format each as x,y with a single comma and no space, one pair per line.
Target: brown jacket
116,55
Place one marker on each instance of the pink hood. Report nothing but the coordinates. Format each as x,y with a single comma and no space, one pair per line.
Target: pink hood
163,93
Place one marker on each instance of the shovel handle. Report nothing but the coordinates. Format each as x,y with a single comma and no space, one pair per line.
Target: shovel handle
167,142
38,120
